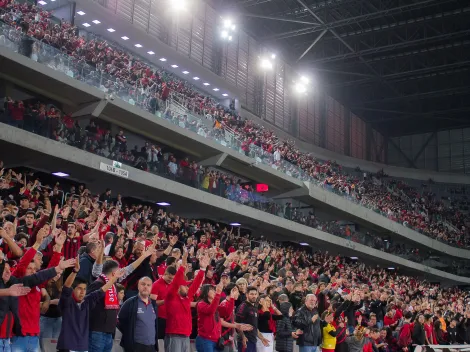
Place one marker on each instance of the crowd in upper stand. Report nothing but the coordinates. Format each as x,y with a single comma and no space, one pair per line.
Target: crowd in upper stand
152,87
96,137
77,265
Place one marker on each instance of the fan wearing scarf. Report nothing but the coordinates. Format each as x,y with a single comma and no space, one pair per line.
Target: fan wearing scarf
76,305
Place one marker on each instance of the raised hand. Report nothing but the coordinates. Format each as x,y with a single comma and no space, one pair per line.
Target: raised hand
17,290
64,264
204,262
219,288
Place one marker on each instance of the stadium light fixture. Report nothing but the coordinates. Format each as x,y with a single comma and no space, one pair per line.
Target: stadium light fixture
235,224
174,66
185,72
305,79
215,89
196,78
96,22
224,34
391,268
81,13
111,30
42,2
138,45
179,5
229,38
150,52
300,88
163,204
266,64
162,59
303,244
225,95
125,38
206,84
354,258
273,56
60,174
85,24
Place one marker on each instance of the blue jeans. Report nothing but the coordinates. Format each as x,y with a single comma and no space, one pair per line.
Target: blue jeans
5,345
100,342
25,344
380,324
50,327
308,348
204,345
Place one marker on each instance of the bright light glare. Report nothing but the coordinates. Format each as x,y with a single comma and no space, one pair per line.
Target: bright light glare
111,30
303,244
305,80
233,27
174,66
206,84
86,25
81,13
162,59
266,64
230,38
185,72
178,5
42,2
300,88
235,224
138,45
60,174
196,78
227,23
273,56
224,34
150,53
125,38
96,22
215,89
225,95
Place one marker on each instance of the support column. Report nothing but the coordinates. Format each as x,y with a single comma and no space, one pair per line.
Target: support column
347,131
368,141
323,117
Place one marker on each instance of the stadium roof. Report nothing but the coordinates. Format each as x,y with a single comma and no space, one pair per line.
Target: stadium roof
402,65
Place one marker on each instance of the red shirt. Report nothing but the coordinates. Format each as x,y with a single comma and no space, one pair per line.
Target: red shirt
208,326
180,321
160,288
388,321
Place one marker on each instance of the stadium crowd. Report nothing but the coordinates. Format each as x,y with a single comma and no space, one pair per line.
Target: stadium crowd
78,271
96,137
125,74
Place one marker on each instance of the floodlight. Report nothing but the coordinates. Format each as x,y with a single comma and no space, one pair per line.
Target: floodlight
300,88
266,64
81,13
305,79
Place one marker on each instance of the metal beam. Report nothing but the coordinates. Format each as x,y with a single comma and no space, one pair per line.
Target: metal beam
431,115
410,162
350,48
396,75
347,21
317,39
424,95
347,73
423,147
278,19
398,24
395,46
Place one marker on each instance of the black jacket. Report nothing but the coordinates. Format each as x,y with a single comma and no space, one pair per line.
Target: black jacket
126,322
303,321
284,329
102,320
418,335
10,304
